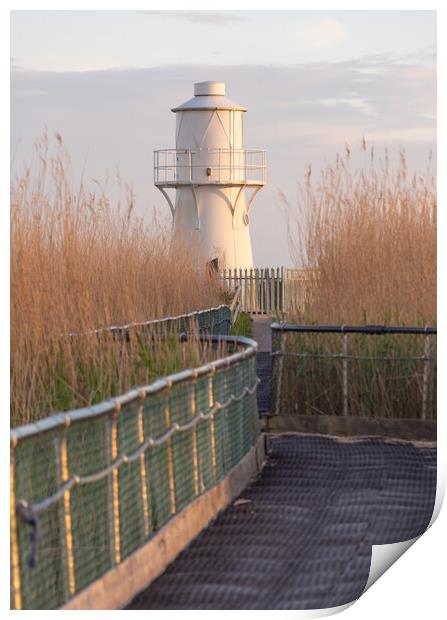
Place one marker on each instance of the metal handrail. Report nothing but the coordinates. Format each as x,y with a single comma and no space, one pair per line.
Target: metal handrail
151,442
353,329
166,166
280,352
150,323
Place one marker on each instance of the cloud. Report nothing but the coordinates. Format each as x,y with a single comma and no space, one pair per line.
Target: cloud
357,103
377,94
214,18
326,33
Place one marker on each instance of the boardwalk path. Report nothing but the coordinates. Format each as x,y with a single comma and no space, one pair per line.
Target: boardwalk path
300,535
263,336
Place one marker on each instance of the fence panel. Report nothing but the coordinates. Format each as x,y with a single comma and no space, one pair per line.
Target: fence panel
371,371
90,486
275,291
211,321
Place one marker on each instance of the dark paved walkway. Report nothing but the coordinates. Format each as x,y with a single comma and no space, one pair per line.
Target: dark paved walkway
263,336
300,536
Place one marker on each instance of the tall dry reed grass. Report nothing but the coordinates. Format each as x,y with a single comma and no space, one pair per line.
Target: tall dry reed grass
79,262
368,236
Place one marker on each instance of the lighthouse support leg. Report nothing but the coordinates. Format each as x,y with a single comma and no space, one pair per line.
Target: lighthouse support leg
233,211
252,197
166,195
194,195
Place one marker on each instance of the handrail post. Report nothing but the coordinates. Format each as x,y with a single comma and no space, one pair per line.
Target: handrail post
143,475
426,363
15,556
345,373
115,487
252,406
170,453
62,458
212,423
195,455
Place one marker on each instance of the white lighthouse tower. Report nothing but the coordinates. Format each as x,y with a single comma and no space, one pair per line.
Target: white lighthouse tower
214,177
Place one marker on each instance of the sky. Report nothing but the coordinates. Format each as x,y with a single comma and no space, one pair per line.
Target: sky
312,81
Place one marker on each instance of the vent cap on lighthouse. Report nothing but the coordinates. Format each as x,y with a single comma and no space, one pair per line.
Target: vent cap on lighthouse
209,88
209,96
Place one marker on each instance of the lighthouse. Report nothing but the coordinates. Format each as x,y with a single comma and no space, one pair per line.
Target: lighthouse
214,177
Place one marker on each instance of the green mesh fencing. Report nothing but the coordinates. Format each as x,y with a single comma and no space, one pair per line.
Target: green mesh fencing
212,321
91,486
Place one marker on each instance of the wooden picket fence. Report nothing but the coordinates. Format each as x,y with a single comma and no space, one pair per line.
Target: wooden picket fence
271,290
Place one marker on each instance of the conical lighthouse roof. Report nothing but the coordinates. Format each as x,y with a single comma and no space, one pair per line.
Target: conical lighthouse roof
209,96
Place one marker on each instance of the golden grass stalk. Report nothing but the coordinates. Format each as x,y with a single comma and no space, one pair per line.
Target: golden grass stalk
79,262
368,235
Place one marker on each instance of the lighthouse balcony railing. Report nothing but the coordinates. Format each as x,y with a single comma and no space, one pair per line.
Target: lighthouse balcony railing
176,167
